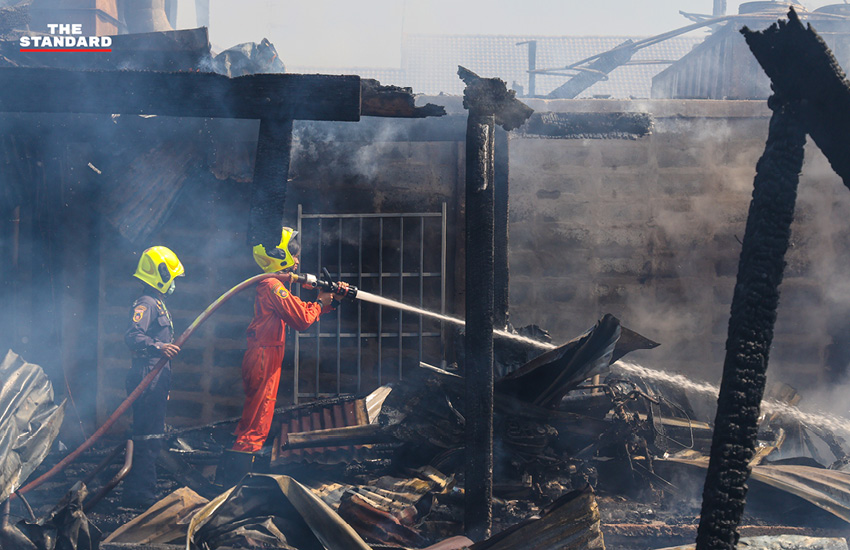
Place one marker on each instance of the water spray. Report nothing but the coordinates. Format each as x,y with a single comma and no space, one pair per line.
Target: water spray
344,291
350,292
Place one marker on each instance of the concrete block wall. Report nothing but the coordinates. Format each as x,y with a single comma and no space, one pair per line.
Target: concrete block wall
649,230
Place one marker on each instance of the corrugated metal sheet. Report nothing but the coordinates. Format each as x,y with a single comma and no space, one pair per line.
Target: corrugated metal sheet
258,496
429,62
569,523
826,489
723,67
344,412
388,509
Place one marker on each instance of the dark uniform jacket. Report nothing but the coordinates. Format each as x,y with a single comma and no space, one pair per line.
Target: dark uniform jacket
150,327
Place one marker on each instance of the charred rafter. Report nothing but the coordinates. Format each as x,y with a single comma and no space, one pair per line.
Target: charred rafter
281,96
393,101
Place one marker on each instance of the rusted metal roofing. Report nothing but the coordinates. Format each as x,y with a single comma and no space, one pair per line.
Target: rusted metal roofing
344,412
388,509
569,523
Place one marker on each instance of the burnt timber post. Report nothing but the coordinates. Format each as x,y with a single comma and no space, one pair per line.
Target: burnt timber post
489,102
750,333
501,273
811,96
274,145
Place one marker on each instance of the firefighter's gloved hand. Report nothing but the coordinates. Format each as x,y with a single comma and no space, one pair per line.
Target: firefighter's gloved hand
326,298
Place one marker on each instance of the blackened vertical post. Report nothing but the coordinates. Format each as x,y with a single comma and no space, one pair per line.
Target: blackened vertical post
489,102
751,323
501,274
479,324
271,170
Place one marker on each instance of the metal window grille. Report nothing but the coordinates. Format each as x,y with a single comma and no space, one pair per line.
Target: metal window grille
363,345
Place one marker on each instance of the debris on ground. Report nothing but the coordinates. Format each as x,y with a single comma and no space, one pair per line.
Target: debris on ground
587,447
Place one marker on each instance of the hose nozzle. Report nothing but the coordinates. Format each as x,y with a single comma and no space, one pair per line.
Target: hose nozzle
339,289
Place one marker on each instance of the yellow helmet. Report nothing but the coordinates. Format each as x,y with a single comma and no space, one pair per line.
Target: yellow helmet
278,258
158,267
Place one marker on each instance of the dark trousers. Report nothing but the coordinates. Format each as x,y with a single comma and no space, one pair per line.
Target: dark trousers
148,419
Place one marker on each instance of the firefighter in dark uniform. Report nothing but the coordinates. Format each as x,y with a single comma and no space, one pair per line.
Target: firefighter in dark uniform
150,338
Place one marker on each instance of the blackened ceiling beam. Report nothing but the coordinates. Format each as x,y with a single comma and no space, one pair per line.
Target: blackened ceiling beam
189,94
393,101
802,68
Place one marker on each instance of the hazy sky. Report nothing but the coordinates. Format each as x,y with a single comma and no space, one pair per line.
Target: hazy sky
367,33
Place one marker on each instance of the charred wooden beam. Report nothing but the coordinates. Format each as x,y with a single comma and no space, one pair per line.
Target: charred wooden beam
802,68
753,316
489,102
501,273
589,125
280,96
393,101
271,171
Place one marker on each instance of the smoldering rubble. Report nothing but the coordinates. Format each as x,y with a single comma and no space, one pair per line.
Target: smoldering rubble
590,451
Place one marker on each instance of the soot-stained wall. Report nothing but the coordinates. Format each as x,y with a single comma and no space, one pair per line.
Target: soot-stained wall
645,229
649,230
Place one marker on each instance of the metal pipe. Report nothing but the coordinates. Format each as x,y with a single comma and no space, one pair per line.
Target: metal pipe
443,262
338,316
319,320
359,306
380,293
296,366
421,278
103,464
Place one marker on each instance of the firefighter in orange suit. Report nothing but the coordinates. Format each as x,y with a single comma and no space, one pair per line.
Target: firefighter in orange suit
275,308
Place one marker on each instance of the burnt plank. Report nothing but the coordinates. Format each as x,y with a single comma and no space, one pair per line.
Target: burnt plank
189,94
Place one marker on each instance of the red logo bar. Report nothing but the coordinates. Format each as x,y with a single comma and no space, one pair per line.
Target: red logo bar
66,49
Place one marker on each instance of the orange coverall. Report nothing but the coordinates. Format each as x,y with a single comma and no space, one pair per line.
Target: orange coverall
275,307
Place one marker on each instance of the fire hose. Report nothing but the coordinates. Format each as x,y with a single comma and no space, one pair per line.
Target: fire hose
340,289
